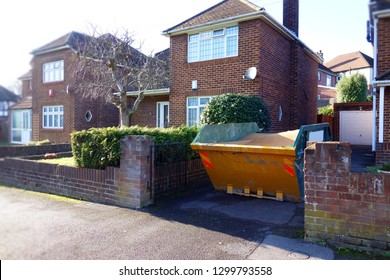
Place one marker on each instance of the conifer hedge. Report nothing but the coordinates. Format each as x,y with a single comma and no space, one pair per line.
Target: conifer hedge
100,147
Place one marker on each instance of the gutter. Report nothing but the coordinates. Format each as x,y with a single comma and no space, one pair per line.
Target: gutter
51,50
149,92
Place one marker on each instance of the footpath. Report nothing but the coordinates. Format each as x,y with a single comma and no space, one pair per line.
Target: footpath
201,224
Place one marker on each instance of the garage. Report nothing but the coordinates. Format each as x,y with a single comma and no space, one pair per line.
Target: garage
356,127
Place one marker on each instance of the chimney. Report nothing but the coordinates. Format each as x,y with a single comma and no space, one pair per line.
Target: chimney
291,15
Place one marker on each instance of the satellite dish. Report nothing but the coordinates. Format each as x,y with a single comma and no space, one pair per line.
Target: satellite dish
251,73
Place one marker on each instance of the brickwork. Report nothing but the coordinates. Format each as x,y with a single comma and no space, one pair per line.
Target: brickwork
287,75
383,45
323,79
291,15
146,114
23,151
383,61
127,186
26,88
344,208
327,92
75,104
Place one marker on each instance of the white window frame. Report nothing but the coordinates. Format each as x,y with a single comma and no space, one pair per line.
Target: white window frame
212,44
53,71
160,122
53,117
198,107
328,80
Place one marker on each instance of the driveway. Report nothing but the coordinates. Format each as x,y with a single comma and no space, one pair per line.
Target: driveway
198,224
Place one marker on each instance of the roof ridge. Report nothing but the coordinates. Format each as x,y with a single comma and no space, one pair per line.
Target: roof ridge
59,42
245,2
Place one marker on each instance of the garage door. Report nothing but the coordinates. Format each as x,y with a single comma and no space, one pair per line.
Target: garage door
356,127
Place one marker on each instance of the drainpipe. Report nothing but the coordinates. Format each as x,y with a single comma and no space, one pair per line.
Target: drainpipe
381,112
373,82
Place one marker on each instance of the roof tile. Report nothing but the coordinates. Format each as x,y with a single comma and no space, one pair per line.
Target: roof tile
345,62
222,10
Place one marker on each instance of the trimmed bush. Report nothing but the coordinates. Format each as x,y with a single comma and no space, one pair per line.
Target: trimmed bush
100,147
236,108
327,110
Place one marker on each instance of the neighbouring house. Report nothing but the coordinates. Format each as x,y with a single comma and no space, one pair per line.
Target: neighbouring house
211,52
352,63
7,99
153,111
21,113
379,36
58,107
327,80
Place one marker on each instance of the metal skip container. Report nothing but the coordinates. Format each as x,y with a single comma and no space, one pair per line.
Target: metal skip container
240,160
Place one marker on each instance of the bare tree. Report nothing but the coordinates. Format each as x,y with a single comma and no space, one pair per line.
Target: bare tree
109,66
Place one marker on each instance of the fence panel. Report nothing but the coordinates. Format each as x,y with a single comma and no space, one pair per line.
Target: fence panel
169,171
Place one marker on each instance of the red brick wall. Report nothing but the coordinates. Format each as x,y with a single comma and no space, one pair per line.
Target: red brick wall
127,186
326,92
26,88
383,45
75,104
263,47
351,209
323,79
383,149
146,113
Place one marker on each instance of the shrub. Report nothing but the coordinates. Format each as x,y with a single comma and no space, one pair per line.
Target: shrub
352,89
100,147
236,108
327,110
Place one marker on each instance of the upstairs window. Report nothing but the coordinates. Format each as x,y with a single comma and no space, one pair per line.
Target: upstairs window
328,81
213,44
53,71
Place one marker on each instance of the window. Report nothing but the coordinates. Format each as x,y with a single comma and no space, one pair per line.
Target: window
319,75
53,71
213,44
3,108
53,117
195,106
328,80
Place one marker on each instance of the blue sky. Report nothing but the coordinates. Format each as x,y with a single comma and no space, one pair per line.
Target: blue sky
333,26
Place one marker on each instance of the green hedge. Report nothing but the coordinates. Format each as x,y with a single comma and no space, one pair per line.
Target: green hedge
100,147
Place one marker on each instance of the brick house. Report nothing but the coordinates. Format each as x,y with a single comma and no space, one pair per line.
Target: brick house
379,35
211,51
352,63
57,107
20,131
327,80
7,99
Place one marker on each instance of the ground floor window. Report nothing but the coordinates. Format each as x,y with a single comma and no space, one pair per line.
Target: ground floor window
53,117
195,106
21,126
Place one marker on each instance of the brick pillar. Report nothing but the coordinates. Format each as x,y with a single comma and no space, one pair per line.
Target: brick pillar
133,178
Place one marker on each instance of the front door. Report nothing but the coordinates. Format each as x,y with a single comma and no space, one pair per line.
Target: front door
162,115
21,126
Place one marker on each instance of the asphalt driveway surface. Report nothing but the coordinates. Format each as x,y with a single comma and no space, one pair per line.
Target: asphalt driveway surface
199,224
